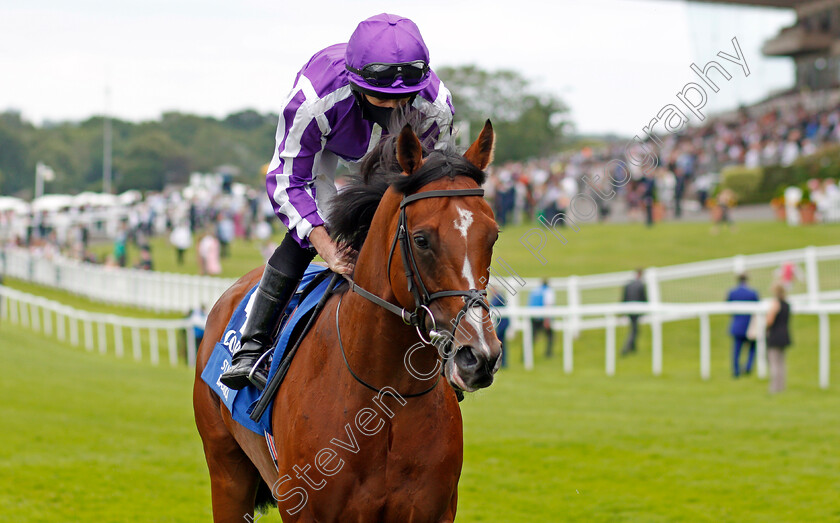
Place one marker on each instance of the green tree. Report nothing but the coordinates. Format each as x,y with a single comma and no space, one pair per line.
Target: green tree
14,161
57,151
537,132
147,155
151,161
528,123
248,120
182,128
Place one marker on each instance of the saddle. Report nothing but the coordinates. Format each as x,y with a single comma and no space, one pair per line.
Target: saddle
248,406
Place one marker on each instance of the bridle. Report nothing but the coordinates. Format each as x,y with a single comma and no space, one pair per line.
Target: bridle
416,318
422,297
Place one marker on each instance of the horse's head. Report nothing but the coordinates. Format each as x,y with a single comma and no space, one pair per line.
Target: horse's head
425,238
450,235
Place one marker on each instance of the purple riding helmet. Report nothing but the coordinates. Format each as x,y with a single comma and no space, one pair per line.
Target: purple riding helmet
386,57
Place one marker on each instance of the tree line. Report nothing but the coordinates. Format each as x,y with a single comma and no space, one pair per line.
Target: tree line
146,155
149,155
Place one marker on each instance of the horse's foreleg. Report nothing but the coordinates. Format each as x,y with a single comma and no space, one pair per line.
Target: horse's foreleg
233,477
449,516
233,485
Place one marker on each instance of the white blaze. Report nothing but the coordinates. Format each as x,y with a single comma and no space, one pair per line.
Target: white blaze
462,224
464,221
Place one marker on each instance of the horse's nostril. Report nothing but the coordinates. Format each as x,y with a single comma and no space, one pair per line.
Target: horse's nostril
465,358
493,363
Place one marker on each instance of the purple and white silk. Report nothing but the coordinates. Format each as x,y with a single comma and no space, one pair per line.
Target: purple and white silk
319,124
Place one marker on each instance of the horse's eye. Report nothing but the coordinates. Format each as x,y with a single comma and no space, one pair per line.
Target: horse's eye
421,241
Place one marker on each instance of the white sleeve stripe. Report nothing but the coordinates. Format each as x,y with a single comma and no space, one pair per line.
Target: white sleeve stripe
319,106
311,108
445,114
290,151
311,100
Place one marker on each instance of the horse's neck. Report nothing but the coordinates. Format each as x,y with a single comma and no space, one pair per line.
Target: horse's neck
380,340
376,342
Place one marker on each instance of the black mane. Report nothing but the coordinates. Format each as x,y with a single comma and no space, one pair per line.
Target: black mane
352,209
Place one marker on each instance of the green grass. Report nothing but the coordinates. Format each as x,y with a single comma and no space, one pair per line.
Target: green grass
599,248
595,248
87,437
83,303
546,446
244,256
92,438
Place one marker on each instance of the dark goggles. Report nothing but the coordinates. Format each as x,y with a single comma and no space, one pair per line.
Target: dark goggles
384,75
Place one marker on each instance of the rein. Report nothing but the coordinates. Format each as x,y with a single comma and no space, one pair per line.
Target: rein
422,297
416,318
360,380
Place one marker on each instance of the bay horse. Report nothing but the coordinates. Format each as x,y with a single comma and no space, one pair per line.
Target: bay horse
393,453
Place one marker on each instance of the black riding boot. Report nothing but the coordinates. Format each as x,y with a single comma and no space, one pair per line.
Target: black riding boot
270,300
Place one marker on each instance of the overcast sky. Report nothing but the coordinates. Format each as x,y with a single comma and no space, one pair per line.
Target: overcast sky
615,62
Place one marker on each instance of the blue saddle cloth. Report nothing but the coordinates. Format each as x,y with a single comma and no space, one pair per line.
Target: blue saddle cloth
240,403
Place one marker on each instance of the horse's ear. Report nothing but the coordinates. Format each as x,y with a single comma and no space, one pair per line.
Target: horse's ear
480,152
409,150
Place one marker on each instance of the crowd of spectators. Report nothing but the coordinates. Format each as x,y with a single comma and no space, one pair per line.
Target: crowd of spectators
207,223
687,165
683,178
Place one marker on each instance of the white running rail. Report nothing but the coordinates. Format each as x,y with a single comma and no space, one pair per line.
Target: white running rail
100,331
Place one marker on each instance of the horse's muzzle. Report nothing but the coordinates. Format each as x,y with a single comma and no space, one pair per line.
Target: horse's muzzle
472,369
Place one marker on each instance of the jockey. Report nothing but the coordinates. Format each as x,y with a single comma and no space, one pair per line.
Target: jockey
339,108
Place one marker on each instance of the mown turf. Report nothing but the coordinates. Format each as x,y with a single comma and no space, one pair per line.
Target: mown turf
91,438
593,249
546,446
87,437
598,248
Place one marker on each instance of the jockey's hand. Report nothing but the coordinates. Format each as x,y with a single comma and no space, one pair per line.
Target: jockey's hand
341,259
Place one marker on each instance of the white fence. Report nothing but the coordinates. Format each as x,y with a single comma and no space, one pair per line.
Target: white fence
706,281
107,330
608,317
677,292
158,291
98,330
817,268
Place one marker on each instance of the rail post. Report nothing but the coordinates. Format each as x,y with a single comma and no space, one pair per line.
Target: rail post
568,344
527,345
652,284
705,347
812,276
610,349
761,347
825,354
153,346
